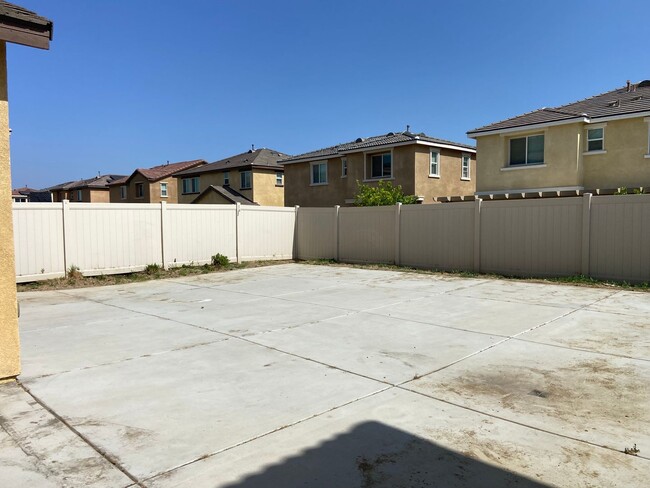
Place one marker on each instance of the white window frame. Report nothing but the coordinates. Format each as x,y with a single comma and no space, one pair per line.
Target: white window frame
226,178
526,163
123,192
311,173
163,190
190,185
139,186
587,151
368,166
435,151
80,195
344,167
279,178
242,180
465,157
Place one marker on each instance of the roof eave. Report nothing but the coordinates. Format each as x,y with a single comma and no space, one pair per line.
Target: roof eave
525,127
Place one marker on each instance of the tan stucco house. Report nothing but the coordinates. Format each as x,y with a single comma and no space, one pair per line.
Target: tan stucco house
598,145
91,190
250,178
19,26
151,185
424,166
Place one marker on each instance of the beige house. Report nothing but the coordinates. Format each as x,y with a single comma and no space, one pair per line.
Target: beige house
151,185
424,166
20,26
92,190
250,178
598,144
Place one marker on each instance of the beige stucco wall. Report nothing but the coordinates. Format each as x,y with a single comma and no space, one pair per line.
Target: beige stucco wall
9,341
151,191
410,170
623,164
212,197
263,189
562,157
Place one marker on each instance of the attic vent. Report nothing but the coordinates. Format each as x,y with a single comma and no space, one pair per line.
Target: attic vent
644,83
615,103
636,99
359,139
390,134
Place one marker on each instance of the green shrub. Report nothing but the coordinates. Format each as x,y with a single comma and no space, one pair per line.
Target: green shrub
385,193
219,260
74,272
152,269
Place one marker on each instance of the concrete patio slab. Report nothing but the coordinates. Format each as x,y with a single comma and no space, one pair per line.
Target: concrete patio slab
624,335
591,397
37,450
378,347
302,375
157,412
400,439
474,314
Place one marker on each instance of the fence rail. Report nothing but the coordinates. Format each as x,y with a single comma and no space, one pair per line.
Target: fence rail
606,237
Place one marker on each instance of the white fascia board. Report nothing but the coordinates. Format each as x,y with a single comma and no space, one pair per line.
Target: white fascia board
529,190
596,120
372,149
310,159
526,128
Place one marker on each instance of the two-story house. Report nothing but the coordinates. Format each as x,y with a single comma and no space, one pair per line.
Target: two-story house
92,190
151,185
249,178
424,166
600,143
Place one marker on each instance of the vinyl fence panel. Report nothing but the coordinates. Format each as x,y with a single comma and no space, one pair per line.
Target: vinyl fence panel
266,233
620,237
38,241
438,236
316,233
367,234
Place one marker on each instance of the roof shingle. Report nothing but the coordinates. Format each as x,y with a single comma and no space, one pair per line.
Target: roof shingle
258,158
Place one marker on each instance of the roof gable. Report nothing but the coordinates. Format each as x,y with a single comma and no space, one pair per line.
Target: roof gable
258,158
161,171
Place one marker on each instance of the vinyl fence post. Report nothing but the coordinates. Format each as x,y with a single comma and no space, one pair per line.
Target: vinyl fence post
296,250
586,224
336,231
163,232
477,235
237,243
398,215
65,209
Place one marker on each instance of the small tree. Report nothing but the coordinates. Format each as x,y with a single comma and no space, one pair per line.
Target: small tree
385,193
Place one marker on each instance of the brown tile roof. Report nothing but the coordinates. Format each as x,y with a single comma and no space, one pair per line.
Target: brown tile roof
161,171
621,101
228,193
96,182
16,12
258,158
361,143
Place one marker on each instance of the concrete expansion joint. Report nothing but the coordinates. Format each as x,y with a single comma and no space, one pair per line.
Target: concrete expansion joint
265,434
85,439
522,424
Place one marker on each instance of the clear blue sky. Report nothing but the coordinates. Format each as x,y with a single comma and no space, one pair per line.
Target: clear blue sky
135,83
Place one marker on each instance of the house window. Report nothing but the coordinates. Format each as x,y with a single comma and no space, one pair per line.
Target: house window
596,139
139,190
279,178
163,190
319,173
434,163
527,150
245,180
226,178
79,196
464,167
344,167
381,165
123,192
191,185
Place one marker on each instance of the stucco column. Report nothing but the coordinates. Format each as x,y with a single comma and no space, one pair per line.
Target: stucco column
9,342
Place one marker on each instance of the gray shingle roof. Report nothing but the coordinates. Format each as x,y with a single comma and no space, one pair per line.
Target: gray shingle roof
621,101
228,193
96,182
360,144
258,158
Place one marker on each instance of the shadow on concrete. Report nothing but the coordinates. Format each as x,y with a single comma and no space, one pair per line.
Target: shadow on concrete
374,455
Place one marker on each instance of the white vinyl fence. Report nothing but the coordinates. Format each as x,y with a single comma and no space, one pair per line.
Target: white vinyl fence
605,237
107,238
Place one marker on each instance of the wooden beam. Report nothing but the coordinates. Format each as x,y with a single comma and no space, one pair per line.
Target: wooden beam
26,37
